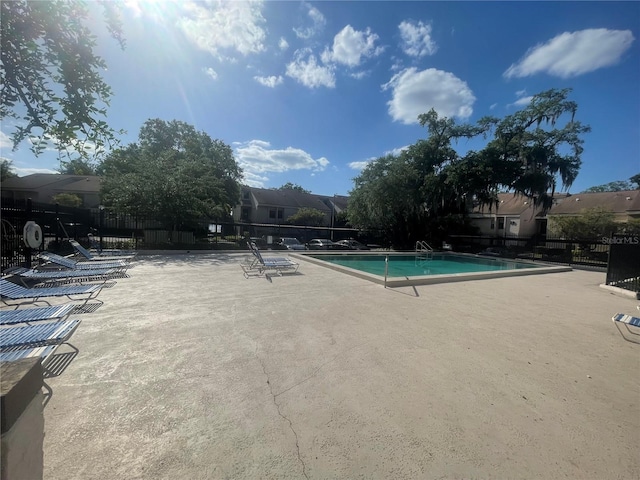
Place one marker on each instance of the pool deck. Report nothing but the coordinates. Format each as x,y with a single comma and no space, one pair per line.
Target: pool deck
189,370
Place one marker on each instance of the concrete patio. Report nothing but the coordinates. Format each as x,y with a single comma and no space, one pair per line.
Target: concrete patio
191,371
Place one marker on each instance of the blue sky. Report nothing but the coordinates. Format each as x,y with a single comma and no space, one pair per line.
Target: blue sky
309,92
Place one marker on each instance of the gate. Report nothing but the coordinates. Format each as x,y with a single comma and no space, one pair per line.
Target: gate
623,270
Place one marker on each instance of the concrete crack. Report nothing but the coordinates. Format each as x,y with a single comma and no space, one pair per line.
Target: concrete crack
273,396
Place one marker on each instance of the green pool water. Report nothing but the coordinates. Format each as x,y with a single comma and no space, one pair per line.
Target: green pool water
414,265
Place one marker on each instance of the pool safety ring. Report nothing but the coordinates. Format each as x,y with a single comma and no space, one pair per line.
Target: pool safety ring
32,235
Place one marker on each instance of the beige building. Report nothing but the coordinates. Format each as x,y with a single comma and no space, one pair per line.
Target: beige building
625,205
513,216
42,187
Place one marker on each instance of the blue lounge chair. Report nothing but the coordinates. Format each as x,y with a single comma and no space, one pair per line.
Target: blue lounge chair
66,276
26,315
40,334
98,258
626,320
76,265
13,354
13,291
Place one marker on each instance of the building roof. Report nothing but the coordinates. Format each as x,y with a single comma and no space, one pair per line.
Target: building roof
625,201
54,181
508,204
288,198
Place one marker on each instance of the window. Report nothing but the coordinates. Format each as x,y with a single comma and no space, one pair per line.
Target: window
276,212
493,224
246,212
500,223
245,195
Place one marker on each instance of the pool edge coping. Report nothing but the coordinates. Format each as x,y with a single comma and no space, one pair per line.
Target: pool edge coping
434,279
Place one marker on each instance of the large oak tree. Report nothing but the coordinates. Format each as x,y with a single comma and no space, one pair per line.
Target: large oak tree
425,191
174,174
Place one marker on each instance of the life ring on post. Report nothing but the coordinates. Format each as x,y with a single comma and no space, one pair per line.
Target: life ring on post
32,235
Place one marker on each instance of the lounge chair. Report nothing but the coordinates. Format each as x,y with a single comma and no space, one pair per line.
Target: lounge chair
13,354
40,340
76,265
40,334
262,265
626,320
98,258
66,276
26,315
13,291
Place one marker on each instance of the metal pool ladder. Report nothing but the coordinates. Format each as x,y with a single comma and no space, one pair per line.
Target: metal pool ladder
424,250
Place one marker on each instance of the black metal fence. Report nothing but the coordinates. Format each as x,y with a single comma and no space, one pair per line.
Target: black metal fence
623,270
56,221
111,230
107,229
581,252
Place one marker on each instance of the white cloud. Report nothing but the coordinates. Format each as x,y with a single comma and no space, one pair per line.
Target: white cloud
220,25
5,141
308,72
22,172
318,22
210,72
271,81
257,158
283,44
522,101
360,75
492,106
572,54
397,151
351,46
415,92
360,165
416,39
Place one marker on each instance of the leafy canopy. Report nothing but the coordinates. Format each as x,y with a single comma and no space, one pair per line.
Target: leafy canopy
293,186
307,216
424,192
67,199
617,186
174,174
51,81
6,169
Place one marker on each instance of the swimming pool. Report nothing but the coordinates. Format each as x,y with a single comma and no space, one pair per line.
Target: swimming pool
413,269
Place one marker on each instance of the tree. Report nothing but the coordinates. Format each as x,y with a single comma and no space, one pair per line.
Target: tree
294,187
307,216
591,223
527,158
67,199
6,169
76,166
174,174
617,186
51,75
426,191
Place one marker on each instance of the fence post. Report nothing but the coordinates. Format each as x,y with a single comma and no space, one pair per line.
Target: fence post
27,248
100,223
